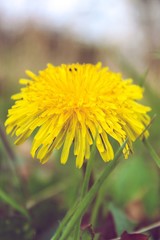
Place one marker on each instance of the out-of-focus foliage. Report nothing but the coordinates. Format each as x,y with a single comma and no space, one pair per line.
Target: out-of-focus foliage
129,200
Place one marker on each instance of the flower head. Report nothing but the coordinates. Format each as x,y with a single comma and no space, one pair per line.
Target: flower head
76,104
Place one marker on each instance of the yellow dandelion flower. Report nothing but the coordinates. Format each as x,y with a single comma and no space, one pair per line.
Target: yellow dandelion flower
75,104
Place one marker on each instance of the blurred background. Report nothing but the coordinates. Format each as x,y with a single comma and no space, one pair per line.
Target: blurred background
124,35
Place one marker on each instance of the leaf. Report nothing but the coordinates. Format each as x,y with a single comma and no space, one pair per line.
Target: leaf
133,236
88,232
139,181
121,221
86,236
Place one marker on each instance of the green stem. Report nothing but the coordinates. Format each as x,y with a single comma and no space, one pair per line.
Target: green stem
85,187
148,228
152,152
88,172
86,201
143,230
64,222
96,207
101,191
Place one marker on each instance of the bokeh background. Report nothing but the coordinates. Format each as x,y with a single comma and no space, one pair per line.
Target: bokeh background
124,35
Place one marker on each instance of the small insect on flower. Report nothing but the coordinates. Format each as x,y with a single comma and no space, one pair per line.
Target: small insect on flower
76,104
